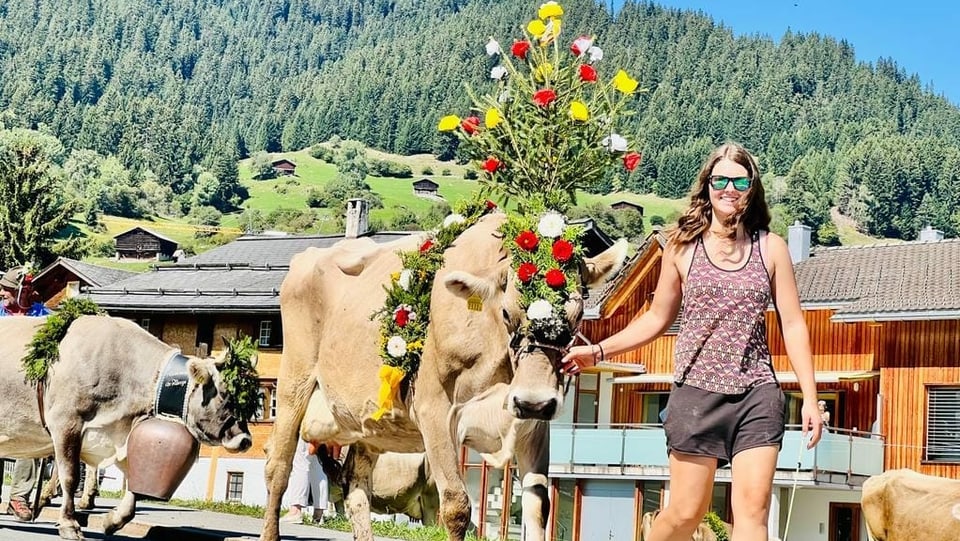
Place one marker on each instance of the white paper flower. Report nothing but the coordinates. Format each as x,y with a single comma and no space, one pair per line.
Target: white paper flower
405,276
504,96
498,72
453,219
397,347
615,143
582,45
540,309
551,225
493,48
596,54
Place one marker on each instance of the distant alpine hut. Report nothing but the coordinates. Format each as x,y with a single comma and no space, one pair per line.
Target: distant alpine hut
626,205
284,167
141,243
425,188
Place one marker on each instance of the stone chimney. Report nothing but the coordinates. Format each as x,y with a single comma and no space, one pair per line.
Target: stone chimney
798,240
929,234
358,211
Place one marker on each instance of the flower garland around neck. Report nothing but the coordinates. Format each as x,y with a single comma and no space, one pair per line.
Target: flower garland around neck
546,258
406,312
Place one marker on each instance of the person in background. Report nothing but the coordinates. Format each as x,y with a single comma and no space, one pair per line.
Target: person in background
19,299
306,479
720,270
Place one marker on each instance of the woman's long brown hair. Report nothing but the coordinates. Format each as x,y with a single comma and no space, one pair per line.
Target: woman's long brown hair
752,214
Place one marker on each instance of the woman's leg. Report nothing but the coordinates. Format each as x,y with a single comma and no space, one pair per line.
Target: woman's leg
753,471
691,489
298,489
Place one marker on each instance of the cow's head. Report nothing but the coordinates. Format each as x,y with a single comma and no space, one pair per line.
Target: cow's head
210,415
536,385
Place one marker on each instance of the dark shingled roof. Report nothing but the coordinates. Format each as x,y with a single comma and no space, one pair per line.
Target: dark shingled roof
907,281
94,275
244,275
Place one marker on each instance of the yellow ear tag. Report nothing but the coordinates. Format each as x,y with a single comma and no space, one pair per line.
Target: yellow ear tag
475,303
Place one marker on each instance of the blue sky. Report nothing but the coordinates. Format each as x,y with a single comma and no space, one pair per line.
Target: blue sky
922,36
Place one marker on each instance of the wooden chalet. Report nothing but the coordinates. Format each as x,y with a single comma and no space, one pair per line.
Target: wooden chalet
66,278
626,205
141,243
284,167
425,187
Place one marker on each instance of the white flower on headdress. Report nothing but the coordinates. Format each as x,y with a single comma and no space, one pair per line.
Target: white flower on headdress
397,347
540,309
581,45
596,54
453,219
504,96
614,143
493,48
405,276
498,72
551,225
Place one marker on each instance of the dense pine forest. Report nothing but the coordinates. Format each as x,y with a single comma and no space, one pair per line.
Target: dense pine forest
153,101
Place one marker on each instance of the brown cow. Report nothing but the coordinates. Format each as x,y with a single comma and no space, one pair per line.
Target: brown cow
327,384
702,533
903,505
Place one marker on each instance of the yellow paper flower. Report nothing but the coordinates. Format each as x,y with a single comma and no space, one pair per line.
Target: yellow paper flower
492,118
536,28
578,110
543,71
624,83
395,276
550,32
449,123
549,9
390,378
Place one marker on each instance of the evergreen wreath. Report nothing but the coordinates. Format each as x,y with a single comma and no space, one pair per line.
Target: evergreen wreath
406,312
240,376
44,348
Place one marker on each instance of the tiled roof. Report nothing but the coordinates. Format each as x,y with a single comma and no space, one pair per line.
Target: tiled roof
272,251
94,275
912,280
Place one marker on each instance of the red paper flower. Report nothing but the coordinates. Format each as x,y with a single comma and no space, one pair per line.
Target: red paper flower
544,97
426,246
527,240
490,204
520,48
555,278
401,317
526,271
491,164
562,250
587,73
631,160
470,124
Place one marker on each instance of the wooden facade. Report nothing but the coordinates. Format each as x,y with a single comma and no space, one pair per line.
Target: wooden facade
140,243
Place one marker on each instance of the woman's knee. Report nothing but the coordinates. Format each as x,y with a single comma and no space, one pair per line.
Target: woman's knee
683,516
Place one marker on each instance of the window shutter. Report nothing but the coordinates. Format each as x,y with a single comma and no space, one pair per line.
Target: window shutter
943,424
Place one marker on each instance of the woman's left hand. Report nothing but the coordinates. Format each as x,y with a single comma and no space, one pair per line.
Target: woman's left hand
811,423
578,358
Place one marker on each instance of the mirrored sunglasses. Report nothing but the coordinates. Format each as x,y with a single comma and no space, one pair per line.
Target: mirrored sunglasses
719,182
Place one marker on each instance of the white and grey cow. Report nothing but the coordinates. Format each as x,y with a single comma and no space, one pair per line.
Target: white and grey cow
106,379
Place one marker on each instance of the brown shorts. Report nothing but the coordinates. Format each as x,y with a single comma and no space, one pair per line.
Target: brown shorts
719,425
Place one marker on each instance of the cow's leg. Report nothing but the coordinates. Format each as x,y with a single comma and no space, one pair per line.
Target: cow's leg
66,444
49,489
119,516
359,468
442,456
533,461
91,488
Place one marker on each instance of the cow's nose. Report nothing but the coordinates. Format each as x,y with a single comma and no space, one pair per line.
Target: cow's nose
542,411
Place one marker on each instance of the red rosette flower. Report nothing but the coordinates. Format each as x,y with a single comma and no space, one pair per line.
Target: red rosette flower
544,97
426,246
491,164
527,240
562,250
631,160
587,73
490,204
401,317
555,278
526,271
520,48
470,124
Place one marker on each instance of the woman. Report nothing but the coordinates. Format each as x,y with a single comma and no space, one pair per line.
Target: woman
722,267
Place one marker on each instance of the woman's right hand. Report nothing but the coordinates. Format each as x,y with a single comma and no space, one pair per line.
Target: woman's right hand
580,357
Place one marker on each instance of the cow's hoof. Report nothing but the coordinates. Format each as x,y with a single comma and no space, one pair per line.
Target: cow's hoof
70,531
86,503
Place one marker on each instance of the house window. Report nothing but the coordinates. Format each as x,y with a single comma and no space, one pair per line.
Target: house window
261,404
943,424
273,403
652,407
145,324
266,330
234,486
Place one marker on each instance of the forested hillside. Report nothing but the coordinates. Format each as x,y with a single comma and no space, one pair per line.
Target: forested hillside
177,88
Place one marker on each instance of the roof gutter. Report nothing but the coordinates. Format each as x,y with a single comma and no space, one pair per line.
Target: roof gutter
918,315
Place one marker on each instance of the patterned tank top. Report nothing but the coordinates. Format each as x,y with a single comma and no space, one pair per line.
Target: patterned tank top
722,344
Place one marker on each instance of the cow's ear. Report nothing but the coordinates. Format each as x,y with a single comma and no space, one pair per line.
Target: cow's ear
221,358
483,284
198,371
599,268
253,360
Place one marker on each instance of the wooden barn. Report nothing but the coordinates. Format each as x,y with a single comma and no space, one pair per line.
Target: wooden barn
626,205
141,243
425,187
284,167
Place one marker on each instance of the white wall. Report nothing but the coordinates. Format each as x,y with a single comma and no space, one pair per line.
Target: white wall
810,519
